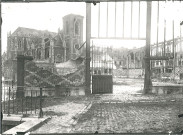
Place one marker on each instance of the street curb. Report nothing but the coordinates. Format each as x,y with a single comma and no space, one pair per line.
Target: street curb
39,124
34,127
79,114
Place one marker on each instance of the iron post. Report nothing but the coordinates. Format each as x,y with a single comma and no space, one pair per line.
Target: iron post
31,101
41,111
13,96
35,102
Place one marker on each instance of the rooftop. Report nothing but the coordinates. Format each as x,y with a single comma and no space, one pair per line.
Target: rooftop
21,31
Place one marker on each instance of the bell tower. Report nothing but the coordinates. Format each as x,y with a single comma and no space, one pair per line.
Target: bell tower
73,32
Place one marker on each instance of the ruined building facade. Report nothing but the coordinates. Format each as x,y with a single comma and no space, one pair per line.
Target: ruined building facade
46,48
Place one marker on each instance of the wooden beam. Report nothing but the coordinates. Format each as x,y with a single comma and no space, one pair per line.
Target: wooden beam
119,38
99,20
147,78
139,21
158,58
0,71
87,1
157,30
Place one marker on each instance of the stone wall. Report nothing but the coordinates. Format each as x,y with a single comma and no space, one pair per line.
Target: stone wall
131,73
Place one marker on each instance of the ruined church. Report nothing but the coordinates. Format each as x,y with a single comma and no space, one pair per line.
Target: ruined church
46,48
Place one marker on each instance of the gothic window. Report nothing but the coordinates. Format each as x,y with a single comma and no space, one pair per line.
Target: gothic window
47,42
19,43
132,56
77,28
25,44
67,27
47,46
46,52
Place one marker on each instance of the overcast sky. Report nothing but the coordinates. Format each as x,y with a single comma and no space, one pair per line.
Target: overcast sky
40,16
48,16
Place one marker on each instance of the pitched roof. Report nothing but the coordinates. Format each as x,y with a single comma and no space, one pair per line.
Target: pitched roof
73,15
21,31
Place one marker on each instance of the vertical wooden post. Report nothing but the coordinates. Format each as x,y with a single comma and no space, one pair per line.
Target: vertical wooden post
0,72
139,21
147,78
128,65
174,51
131,18
88,36
157,30
35,101
107,22
134,61
4,98
98,20
123,19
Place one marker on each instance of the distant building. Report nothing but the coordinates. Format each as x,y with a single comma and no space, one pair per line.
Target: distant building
129,59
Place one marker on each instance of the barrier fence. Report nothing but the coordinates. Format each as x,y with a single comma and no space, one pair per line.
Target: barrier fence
33,100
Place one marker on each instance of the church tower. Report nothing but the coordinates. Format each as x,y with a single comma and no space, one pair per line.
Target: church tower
73,34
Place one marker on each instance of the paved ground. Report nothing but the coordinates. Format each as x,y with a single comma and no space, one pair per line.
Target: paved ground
130,117
127,110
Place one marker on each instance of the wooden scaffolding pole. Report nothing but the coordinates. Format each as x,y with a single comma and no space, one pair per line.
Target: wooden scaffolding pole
147,78
0,73
88,36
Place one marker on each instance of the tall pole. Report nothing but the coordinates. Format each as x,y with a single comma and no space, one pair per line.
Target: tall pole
0,74
147,78
88,36
174,51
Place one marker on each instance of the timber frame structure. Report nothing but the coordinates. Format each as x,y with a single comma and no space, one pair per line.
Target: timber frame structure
147,78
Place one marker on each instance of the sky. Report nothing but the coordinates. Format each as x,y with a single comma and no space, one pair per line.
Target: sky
40,16
48,16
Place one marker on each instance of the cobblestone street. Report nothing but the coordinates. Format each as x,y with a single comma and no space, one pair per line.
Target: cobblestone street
126,110
109,117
